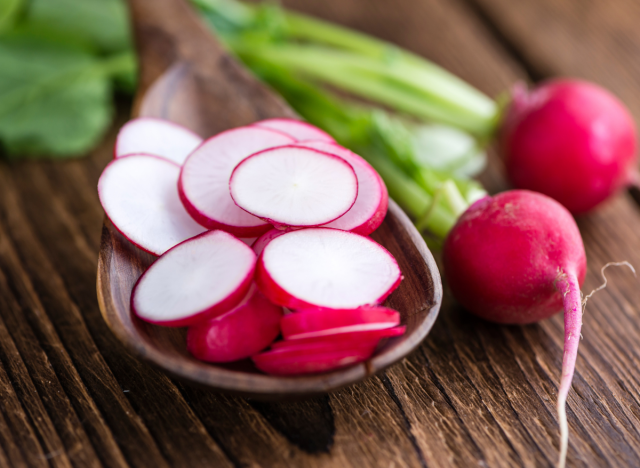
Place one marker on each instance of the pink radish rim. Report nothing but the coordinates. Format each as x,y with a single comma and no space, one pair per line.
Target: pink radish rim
277,223
329,138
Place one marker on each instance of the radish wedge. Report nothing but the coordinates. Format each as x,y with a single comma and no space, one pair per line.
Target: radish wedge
300,131
204,180
240,333
370,208
297,362
195,281
294,186
157,137
139,194
326,268
262,241
341,337
315,323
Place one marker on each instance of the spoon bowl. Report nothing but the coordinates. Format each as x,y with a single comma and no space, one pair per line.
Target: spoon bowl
187,77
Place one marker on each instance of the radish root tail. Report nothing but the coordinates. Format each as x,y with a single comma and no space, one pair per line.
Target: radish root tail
574,306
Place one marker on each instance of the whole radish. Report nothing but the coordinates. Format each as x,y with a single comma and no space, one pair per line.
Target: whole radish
571,140
517,258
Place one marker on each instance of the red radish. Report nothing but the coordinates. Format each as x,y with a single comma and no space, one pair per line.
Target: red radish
370,208
327,268
240,333
158,137
262,241
195,281
319,322
139,194
204,180
297,129
294,186
571,140
310,361
518,258
342,338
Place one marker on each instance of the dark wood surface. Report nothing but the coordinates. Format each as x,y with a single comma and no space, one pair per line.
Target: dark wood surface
189,79
474,394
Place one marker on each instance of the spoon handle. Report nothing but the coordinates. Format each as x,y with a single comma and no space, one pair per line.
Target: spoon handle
215,91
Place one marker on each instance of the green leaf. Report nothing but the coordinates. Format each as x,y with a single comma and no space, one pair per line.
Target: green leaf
9,11
102,23
53,100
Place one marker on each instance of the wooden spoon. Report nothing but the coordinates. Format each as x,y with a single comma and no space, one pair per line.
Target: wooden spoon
188,78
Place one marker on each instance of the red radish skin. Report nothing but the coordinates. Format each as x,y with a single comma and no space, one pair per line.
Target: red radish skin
571,140
320,322
300,131
195,281
262,241
294,362
326,268
139,195
204,179
158,137
370,208
293,186
342,338
238,334
517,258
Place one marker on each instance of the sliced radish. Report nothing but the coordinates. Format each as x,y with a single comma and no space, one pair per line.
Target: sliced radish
301,131
158,137
240,333
315,323
195,281
204,180
139,194
294,186
328,268
297,362
363,336
370,208
262,241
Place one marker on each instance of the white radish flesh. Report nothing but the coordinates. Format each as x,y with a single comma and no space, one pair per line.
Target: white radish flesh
317,323
326,268
204,180
157,137
301,131
197,280
294,186
139,194
240,333
370,208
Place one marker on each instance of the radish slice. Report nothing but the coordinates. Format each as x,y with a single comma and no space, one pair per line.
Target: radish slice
204,180
196,280
301,131
240,333
294,186
297,362
370,208
326,268
315,323
362,336
158,137
139,194
262,241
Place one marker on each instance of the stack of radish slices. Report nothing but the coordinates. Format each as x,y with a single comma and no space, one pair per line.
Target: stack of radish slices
246,223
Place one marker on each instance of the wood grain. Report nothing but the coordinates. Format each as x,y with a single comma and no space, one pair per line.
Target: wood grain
475,394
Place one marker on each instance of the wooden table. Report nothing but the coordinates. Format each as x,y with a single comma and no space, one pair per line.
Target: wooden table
474,394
